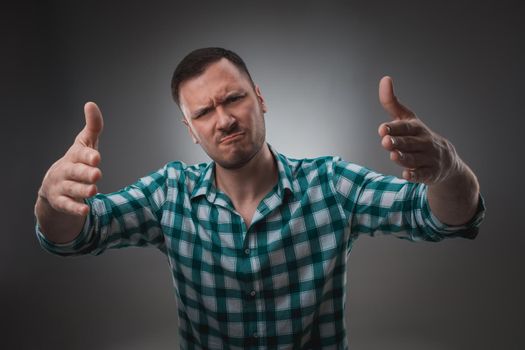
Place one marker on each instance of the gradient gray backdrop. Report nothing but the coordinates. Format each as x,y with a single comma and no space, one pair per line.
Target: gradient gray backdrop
458,64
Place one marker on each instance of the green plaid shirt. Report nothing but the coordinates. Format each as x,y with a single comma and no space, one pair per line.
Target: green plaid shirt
279,283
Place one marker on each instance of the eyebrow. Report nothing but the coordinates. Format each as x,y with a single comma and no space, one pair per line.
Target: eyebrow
201,111
207,108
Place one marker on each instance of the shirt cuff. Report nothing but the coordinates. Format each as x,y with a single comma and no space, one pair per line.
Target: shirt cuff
74,247
468,230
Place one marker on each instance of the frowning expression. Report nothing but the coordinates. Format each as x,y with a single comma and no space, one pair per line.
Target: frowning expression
224,113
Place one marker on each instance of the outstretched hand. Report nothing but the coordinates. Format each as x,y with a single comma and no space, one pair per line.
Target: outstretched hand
72,178
425,156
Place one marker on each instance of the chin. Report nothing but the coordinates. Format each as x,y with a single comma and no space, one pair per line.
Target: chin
237,160
232,163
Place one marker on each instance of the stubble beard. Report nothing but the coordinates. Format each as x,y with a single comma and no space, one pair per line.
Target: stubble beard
242,159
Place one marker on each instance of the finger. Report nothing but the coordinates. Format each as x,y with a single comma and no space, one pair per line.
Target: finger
390,102
94,124
410,159
412,127
77,190
82,154
80,172
422,175
405,143
70,206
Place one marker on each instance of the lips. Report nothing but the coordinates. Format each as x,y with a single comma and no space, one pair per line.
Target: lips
231,137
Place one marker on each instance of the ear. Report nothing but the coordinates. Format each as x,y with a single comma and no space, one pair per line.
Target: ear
261,99
190,130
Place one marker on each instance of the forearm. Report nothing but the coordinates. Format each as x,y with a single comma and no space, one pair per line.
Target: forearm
58,227
454,201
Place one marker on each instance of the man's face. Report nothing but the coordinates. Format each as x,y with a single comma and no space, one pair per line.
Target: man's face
224,114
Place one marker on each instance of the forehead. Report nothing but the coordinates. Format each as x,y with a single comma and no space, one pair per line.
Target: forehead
218,79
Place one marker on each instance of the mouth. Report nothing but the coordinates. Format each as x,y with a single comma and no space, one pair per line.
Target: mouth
231,137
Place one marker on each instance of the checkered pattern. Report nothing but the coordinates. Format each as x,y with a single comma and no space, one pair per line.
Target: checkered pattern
279,283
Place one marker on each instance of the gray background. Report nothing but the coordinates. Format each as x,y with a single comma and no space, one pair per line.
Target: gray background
458,64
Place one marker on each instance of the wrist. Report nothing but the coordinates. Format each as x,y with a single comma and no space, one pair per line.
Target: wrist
455,169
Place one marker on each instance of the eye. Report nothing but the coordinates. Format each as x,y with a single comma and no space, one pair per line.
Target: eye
201,113
234,98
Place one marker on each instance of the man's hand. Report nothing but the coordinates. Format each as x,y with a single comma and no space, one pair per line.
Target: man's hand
72,178
426,156
60,207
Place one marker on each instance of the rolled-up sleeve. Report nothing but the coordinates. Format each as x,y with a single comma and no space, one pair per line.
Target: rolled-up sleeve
129,217
79,246
382,204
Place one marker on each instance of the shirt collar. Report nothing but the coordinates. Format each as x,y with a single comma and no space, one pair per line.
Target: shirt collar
285,180
205,186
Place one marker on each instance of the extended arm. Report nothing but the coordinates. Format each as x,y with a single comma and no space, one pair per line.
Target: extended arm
429,158
60,208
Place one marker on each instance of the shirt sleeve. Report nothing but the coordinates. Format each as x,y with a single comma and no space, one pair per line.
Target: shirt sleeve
129,217
381,204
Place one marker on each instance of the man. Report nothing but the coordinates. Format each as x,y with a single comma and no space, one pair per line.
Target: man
257,242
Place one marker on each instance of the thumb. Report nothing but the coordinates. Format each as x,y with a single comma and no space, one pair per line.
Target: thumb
390,102
94,124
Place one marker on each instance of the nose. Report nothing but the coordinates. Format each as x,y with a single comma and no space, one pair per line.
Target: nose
225,121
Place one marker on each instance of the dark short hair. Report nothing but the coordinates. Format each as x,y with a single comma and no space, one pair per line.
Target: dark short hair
196,62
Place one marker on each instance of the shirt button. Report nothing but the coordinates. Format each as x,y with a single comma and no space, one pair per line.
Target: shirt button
247,251
253,293
255,335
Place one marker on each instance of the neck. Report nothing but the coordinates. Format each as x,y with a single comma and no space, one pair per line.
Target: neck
252,181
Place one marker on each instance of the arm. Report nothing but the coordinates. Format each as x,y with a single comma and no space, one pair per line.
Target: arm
60,208
454,200
72,220
427,157
377,204
128,217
